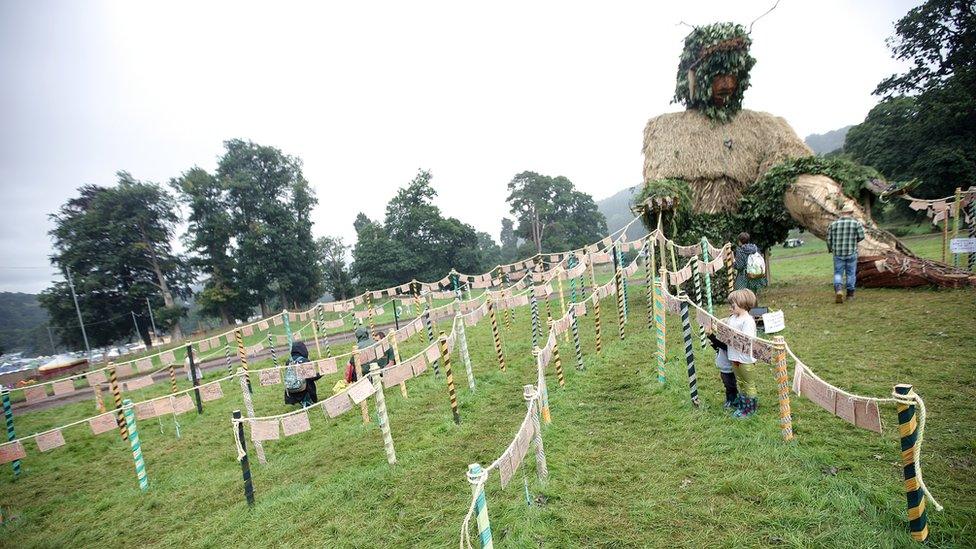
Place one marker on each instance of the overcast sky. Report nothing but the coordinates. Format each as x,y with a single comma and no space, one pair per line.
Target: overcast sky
365,93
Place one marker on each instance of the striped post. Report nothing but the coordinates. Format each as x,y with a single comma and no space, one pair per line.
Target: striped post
531,396
193,377
363,407
582,286
462,340
660,325
623,280
572,261
708,276
596,310
534,305
274,352
618,275
324,332
562,300
245,463
555,357
451,391
696,274
249,408
955,222
649,268
315,334
674,259
689,354
99,401
384,420
8,415
130,423
945,235
172,379
230,367
480,506
971,262
113,384
369,313
918,522
242,356
783,388
396,357
729,270
496,336
574,326
286,320
428,305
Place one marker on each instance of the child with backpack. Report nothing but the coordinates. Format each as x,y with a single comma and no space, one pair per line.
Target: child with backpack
750,267
299,390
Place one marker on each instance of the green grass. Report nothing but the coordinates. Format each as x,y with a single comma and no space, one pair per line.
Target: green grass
630,462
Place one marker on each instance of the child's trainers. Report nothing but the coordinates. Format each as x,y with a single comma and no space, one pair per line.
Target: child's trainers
729,404
748,408
736,403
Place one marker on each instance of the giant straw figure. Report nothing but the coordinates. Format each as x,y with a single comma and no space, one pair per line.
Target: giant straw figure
722,152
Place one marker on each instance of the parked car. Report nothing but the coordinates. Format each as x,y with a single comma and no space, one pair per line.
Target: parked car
793,243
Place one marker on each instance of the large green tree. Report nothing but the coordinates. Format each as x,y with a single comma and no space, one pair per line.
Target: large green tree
270,205
925,127
338,279
509,241
117,244
551,214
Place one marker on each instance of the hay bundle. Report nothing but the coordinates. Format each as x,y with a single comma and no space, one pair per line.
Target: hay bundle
717,160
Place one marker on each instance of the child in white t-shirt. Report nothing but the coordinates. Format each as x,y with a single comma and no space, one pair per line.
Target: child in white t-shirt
742,301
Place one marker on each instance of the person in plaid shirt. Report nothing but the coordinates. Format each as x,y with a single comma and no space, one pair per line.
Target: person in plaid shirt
842,238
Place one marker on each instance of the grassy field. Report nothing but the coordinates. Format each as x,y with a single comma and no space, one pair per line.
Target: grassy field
630,462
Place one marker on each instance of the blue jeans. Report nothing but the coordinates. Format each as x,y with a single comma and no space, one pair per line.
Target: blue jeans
845,265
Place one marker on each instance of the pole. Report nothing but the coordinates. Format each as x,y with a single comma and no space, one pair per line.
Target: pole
113,383
783,389
555,357
369,312
50,338
81,322
623,279
708,277
696,274
384,420
396,316
689,354
130,423
152,319
462,339
396,357
274,352
246,379
8,415
430,332
172,379
249,408
618,282
496,336
193,378
451,391
596,309
325,331
660,323
918,522
363,407
315,334
971,262
230,367
480,506
576,342
955,222
649,280
136,324
730,269
945,235
245,464
535,319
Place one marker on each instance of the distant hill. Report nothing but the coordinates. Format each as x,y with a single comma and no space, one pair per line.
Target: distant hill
23,324
827,142
617,211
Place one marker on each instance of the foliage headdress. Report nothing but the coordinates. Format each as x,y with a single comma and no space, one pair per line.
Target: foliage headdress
719,48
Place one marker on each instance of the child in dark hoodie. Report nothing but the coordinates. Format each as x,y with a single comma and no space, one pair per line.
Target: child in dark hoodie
362,341
299,354
725,370
742,253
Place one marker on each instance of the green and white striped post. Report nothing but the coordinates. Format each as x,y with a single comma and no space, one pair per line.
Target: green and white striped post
462,340
534,305
480,506
649,268
708,277
384,420
8,415
689,354
660,325
324,332
140,463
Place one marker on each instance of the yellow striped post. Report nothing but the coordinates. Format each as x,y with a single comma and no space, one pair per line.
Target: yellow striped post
596,309
559,363
660,323
918,522
113,383
99,401
783,389
172,379
315,335
562,300
495,334
242,356
729,269
369,312
449,374
649,270
384,420
396,356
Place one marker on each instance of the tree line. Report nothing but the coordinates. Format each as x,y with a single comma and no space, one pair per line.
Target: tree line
249,245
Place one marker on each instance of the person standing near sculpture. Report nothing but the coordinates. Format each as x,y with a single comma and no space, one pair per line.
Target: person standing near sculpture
843,235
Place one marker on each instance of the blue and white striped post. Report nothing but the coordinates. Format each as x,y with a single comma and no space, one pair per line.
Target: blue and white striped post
8,415
130,423
480,506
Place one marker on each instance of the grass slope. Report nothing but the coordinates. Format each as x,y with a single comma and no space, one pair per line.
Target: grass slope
631,464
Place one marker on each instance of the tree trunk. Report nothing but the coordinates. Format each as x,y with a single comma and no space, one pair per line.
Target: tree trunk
176,333
225,315
264,308
766,257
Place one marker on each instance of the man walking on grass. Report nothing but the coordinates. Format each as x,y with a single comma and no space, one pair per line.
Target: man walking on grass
843,234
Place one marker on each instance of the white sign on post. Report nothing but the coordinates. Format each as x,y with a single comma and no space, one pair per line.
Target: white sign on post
773,322
962,245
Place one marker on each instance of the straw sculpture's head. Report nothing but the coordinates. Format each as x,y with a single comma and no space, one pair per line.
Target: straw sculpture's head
713,73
